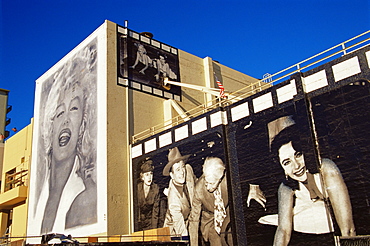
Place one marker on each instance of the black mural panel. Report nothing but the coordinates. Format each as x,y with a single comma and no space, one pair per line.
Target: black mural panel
296,172
264,165
342,121
185,189
145,62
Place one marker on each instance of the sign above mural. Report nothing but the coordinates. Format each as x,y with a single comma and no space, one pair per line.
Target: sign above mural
144,63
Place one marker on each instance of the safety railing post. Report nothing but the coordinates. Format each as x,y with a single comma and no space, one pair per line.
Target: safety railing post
344,49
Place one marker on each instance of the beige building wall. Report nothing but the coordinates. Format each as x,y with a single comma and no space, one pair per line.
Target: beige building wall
147,111
19,225
118,175
13,196
192,71
3,223
1,158
17,152
232,80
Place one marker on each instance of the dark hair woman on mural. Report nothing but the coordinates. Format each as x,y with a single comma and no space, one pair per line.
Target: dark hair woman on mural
148,197
301,197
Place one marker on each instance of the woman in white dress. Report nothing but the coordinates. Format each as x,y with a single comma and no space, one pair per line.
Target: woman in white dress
301,197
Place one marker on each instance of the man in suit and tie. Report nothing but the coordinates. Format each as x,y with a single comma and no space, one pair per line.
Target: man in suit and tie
211,206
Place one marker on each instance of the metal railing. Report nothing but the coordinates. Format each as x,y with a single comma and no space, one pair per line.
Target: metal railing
332,53
16,179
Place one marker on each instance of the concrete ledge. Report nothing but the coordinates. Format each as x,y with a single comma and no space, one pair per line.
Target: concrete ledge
13,197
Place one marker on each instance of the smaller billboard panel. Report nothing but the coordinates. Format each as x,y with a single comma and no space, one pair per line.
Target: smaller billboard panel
145,62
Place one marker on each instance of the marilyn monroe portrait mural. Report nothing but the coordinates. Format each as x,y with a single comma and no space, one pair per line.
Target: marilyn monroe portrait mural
63,193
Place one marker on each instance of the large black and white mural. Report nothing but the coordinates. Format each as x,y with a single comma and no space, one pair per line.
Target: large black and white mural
297,164
282,181
144,63
301,152
65,178
184,185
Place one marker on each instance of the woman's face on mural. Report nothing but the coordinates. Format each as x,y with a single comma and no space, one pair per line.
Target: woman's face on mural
147,178
292,162
178,172
67,122
141,49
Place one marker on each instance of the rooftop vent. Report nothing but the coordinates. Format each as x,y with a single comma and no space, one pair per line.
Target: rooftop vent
147,34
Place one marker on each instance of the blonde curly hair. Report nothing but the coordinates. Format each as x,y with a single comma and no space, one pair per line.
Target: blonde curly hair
81,71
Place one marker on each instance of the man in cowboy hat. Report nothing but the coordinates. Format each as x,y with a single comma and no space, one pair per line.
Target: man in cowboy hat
180,192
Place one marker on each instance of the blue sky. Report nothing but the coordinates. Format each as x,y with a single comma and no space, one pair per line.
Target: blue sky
251,36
